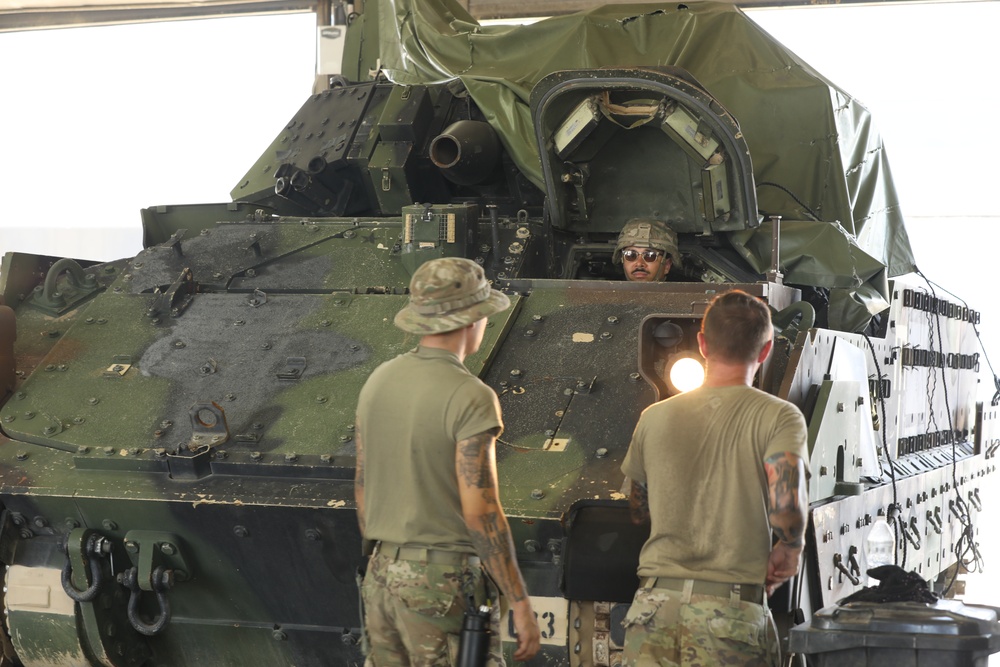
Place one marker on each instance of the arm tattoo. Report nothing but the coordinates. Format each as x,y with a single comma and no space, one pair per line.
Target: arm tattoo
638,503
495,546
475,462
786,497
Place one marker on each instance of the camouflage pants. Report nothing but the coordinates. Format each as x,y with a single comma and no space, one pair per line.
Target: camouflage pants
661,628
413,612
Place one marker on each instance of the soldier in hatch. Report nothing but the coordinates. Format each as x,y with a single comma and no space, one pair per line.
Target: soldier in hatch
648,250
426,480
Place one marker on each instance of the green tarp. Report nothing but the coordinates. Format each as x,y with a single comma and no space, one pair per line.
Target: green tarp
805,134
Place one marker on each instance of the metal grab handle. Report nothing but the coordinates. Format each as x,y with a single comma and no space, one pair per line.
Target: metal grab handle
910,532
975,500
934,521
838,562
162,580
96,573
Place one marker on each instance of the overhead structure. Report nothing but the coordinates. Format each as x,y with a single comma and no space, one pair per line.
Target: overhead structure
18,15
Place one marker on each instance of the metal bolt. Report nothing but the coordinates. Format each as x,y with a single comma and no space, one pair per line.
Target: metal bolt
291,456
312,535
22,456
50,367
602,452
240,531
109,524
256,456
239,323
40,522
536,318
179,344
634,377
326,323
222,454
20,395
131,547
532,546
49,430
82,449
9,418
278,635
159,452
158,433
265,346
612,320
108,451
529,333
78,420
345,438
230,397
29,415
321,399
135,451
89,320
537,494
516,372
93,400
549,432
605,335
102,320
168,549
217,275
325,458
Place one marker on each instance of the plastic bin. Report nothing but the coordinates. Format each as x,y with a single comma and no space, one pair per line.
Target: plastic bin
901,634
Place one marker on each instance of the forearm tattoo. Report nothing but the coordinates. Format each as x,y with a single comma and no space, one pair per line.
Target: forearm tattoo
495,546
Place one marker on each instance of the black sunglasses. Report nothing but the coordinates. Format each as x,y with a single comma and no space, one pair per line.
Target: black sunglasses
647,255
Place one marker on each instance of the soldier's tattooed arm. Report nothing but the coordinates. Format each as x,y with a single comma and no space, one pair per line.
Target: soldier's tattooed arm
787,503
476,468
359,476
787,499
638,503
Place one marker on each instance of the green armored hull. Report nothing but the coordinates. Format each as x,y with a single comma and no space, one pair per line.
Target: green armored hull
177,455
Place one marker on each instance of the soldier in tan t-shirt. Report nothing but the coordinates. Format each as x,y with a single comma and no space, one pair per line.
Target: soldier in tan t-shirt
426,480
716,471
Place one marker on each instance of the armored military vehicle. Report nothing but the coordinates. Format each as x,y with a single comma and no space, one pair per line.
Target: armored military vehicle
177,457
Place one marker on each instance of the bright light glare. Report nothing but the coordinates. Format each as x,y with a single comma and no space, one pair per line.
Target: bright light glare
686,374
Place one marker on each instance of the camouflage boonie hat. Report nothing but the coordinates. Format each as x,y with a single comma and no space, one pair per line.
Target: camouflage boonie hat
448,294
647,233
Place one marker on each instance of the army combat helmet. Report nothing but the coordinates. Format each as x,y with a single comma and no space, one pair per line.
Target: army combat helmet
647,233
447,294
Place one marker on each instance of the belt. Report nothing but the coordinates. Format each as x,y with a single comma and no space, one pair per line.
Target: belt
747,592
424,555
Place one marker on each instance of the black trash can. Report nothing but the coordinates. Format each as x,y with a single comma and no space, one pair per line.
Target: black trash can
899,634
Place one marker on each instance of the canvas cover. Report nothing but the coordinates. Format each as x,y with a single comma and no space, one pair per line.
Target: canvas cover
807,137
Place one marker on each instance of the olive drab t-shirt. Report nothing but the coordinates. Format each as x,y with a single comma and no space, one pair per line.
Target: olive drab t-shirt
701,456
413,411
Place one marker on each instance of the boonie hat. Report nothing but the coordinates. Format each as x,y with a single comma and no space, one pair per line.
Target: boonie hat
647,233
447,294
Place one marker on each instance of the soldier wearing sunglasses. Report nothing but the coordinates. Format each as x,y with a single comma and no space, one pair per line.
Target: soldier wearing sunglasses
647,248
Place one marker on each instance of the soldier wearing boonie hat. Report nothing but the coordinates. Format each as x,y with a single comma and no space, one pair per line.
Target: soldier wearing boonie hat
648,249
425,482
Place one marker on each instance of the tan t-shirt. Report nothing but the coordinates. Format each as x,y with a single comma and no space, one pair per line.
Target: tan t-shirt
701,456
413,411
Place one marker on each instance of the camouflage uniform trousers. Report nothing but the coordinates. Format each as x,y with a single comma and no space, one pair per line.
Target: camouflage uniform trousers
414,610
661,628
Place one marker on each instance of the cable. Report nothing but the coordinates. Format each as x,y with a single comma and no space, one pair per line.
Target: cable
979,338
894,508
792,195
966,540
